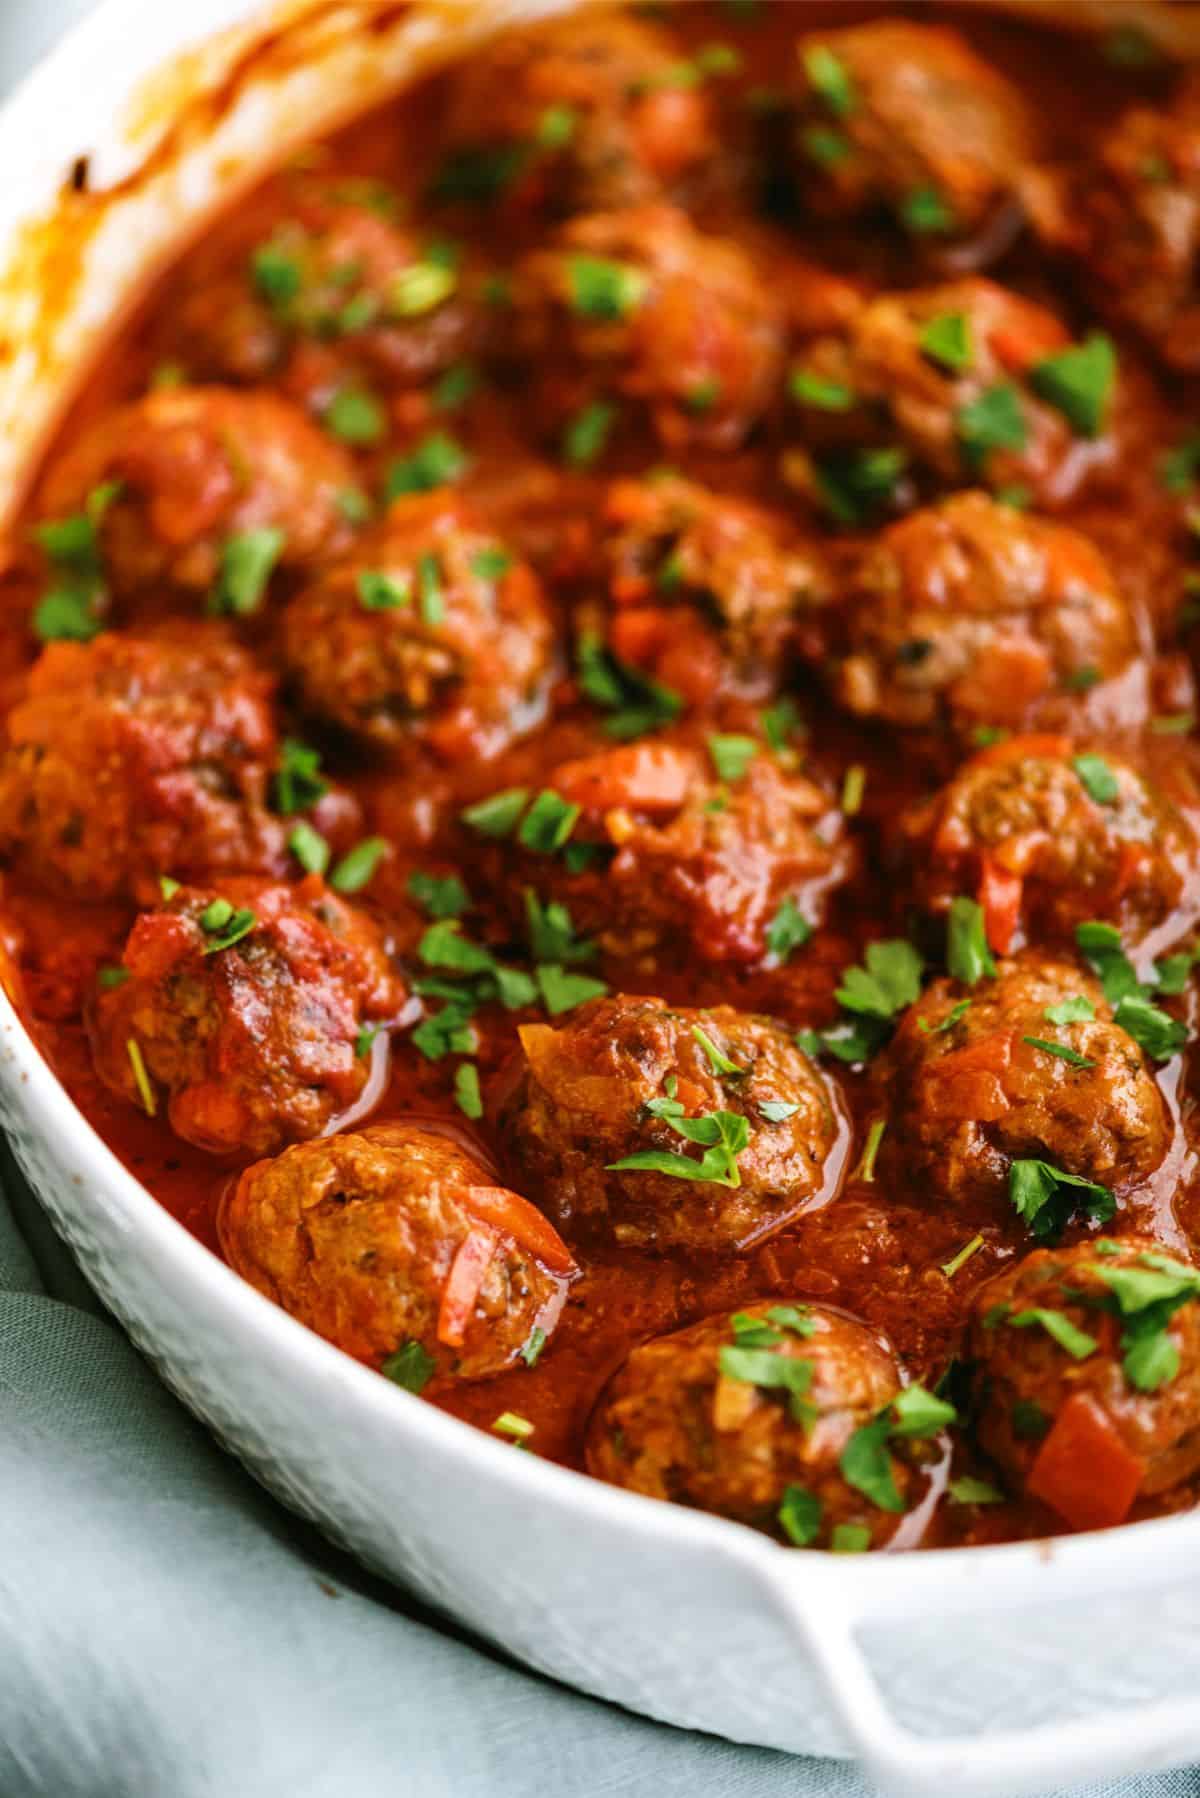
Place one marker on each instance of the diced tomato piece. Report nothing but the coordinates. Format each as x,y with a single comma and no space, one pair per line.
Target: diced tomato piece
1000,894
1015,749
516,1217
1084,1471
463,1282
644,777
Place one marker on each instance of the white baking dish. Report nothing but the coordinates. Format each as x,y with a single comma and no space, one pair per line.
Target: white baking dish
985,1671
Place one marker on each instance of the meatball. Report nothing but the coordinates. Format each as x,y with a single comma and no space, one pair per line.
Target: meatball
639,306
201,476
131,757
431,632
1130,217
1086,1375
953,372
687,862
970,1092
585,113
705,588
630,1078
1049,838
906,117
324,267
678,1422
256,1007
398,1247
968,613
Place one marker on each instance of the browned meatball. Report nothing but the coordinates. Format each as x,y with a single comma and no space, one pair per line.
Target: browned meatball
398,1247
432,632
593,111
258,1008
705,588
324,268
634,1077
969,1093
1131,218
1087,1375
203,475
968,613
907,117
131,757
681,1421
691,862
640,307
950,376
1049,837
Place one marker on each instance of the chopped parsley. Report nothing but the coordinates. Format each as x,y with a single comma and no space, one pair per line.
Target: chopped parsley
890,980
994,420
789,929
474,176
356,417
309,847
141,1079
533,1345
926,213
1155,1030
635,702
959,1260
455,387
970,1491
429,591
1098,779
823,146
1101,947
829,77
556,127
548,823
722,1135
777,1111
850,1539
731,755
1063,1051
718,1061
1073,1010
516,1428
378,592
968,956
865,1461
358,866
1146,1297
800,1516
107,979
601,289
411,1366
498,815
808,389
438,895
852,484
224,924
437,461
948,1022
247,561
586,436
420,288
946,340
297,784
870,1154
562,991
1078,382
1078,1344
1045,1196
467,1095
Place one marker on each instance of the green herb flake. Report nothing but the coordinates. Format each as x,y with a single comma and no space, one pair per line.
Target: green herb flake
731,756
1155,1030
829,77
948,1022
808,389
420,288
224,925
1078,382
946,340
1074,1010
636,703
855,483
919,1413
1063,1051
379,592
496,816
358,866
548,823
247,561
587,434
800,1516
309,847
721,1134
970,1491
958,1261
968,956
718,1061
1098,779
141,1078
788,930
1077,1343
430,597
926,213
556,127
1100,944
994,420
601,289
467,1095
411,1366
850,1539
438,895
561,991
866,1464
297,784
356,417
437,461
866,1167
889,981
777,1111
108,979
533,1345
1045,1196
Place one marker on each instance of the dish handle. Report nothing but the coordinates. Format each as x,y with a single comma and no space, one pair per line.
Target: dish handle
827,1613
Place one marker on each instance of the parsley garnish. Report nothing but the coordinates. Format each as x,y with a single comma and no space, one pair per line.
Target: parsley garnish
968,956
717,1058
562,991
926,213
1062,1050
411,1366
437,461
378,592
309,847
497,815
587,434
1078,382
602,289
890,980
466,1090
224,925
946,340
789,929
548,823
1098,778
1078,1344
247,561
853,483
297,784
731,756
355,416
800,1516
808,389
439,895
637,704
828,76
721,1134
357,867
1045,1197
993,421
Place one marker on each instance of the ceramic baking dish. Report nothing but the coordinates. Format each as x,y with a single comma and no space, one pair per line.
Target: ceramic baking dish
979,1671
